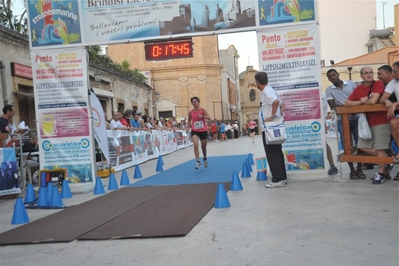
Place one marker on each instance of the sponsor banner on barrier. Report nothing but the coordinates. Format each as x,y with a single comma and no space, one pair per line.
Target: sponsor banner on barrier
9,177
301,104
131,148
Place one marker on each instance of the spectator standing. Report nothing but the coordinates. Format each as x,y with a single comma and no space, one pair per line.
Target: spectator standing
392,88
336,95
214,130
115,124
127,116
184,124
333,169
8,113
228,130
269,109
235,126
222,130
369,93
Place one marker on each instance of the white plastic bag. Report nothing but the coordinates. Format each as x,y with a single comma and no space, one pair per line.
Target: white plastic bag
363,127
275,131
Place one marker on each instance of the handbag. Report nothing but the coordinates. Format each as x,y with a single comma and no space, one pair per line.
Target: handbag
275,131
363,127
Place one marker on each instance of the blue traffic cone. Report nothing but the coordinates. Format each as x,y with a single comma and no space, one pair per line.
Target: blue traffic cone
235,182
49,191
20,216
261,176
251,159
66,191
249,165
221,201
30,194
43,179
112,185
159,166
160,159
245,171
42,200
137,172
99,187
124,179
56,200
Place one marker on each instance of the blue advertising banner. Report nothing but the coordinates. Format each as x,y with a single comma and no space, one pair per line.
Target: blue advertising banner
276,12
63,23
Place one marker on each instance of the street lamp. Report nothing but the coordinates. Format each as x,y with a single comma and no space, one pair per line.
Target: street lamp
97,78
157,96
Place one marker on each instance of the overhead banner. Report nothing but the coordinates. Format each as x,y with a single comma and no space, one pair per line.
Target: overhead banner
290,56
62,111
95,22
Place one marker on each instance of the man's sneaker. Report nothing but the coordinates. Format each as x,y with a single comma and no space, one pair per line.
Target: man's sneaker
197,165
333,170
389,167
285,181
205,163
378,179
277,184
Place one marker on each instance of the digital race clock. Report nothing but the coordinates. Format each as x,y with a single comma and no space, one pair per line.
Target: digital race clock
168,50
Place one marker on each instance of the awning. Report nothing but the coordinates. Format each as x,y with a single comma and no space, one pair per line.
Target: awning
104,93
23,94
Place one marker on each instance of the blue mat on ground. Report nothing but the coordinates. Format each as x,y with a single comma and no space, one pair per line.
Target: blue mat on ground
220,169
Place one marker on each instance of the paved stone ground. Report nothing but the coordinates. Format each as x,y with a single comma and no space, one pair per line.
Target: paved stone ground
335,221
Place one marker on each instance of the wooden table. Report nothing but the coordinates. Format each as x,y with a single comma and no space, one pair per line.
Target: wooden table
347,156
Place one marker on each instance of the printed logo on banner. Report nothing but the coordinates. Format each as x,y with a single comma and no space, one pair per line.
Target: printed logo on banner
54,22
68,145
277,133
285,11
96,117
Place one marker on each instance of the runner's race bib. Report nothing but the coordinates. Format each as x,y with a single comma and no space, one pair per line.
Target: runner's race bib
198,125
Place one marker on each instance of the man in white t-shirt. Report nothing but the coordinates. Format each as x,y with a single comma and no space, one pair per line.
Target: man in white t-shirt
270,105
115,124
333,169
393,88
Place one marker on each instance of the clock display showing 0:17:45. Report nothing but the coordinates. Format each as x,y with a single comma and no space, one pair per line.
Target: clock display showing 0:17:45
159,51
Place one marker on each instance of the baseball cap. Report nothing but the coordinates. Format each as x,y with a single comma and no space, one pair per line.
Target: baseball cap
139,112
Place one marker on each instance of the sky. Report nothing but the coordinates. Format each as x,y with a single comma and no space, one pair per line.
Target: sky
246,43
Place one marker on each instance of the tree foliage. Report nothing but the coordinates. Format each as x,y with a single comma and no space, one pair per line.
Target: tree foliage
96,56
18,23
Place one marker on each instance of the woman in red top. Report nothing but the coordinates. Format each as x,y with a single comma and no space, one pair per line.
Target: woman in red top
199,131
252,127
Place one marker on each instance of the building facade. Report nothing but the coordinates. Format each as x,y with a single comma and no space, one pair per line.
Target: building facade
175,81
114,91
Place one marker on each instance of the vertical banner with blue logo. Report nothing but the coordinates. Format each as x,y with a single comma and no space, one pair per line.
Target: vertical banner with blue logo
62,111
290,56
